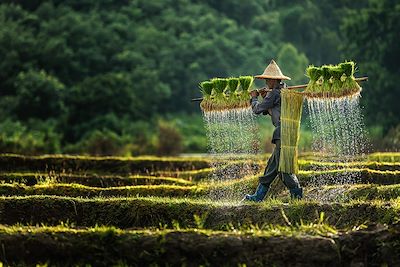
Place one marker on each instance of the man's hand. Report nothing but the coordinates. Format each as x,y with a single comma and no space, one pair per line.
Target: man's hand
254,93
263,92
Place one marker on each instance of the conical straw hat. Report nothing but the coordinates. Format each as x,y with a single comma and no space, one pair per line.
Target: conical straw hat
272,71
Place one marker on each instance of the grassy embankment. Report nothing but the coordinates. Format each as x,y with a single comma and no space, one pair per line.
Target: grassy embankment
176,223
194,247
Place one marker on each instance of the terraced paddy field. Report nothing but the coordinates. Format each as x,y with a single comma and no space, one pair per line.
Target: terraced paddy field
149,211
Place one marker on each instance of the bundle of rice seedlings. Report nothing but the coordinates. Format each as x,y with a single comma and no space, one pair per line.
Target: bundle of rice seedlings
326,76
349,86
314,73
291,109
245,84
332,81
233,84
336,73
206,89
219,98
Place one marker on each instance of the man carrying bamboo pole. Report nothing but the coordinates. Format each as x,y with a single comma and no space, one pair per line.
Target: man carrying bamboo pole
271,105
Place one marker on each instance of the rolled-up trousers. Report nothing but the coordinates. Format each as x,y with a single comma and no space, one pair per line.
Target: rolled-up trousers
271,171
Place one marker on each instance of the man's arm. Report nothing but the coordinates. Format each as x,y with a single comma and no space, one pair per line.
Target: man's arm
264,105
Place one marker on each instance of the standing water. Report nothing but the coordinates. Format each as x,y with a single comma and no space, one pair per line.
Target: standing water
338,136
233,137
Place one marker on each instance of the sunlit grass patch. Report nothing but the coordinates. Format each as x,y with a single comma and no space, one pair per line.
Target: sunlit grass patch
114,165
131,212
77,190
385,157
89,179
357,192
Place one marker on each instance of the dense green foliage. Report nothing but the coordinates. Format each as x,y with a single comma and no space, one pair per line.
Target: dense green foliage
98,78
373,38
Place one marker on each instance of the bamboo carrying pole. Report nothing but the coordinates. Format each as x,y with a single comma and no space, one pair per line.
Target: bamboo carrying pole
294,87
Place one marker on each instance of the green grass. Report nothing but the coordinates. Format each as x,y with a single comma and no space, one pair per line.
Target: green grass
385,157
114,165
93,186
108,246
372,165
363,192
315,244
147,165
132,220
77,190
88,186
155,211
195,175
364,175
307,177
89,180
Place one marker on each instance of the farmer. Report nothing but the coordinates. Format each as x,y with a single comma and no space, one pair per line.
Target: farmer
271,105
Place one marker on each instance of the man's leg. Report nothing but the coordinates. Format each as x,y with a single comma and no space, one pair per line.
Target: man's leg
292,183
270,173
290,180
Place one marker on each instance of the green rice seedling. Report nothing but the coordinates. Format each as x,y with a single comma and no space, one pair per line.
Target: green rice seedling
226,93
233,84
348,68
326,83
219,85
349,86
206,89
331,81
336,73
385,157
245,84
219,100
314,73
291,109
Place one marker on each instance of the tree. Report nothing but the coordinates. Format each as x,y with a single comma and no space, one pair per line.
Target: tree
293,63
39,95
372,38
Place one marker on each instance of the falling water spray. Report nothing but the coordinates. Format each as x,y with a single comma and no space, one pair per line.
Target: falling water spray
339,135
233,137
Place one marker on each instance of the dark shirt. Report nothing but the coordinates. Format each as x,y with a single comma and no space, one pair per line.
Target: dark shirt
270,105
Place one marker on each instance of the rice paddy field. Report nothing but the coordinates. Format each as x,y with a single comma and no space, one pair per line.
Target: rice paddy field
91,211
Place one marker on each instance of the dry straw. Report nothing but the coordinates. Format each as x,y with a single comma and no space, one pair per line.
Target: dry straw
291,109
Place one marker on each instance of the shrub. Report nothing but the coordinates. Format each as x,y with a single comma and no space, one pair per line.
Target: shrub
34,137
40,95
169,139
98,143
